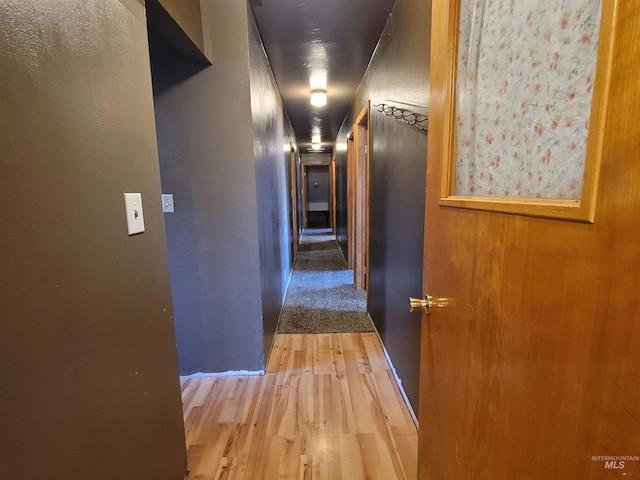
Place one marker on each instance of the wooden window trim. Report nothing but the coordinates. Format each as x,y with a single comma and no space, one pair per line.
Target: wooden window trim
582,210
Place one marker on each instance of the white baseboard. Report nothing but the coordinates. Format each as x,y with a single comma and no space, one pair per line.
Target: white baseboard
231,373
398,380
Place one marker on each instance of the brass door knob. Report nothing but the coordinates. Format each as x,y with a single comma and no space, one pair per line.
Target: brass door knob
421,303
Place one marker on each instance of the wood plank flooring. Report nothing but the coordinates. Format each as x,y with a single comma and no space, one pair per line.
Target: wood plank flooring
328,408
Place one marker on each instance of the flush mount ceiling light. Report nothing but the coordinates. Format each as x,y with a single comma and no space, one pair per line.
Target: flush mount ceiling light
316,146
318,97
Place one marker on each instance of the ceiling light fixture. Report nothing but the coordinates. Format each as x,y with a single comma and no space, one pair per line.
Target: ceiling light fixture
318,97
316,146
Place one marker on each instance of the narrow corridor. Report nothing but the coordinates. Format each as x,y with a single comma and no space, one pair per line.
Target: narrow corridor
322,297
328,406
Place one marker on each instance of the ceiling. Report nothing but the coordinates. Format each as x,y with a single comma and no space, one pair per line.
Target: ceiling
319,44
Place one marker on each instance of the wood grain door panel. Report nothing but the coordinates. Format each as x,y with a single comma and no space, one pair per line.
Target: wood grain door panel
532,369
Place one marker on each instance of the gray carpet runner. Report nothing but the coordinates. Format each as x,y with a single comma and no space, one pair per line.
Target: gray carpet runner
322,297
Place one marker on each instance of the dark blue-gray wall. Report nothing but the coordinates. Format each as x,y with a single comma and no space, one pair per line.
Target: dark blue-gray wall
221,132
272,141
397,75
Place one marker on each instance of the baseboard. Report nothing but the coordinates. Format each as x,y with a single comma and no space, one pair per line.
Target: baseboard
230,373
398,380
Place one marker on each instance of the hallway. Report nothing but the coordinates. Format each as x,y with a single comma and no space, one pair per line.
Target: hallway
322,297
328,408
154,155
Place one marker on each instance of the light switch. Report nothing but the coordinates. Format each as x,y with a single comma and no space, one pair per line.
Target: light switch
167,203
135,216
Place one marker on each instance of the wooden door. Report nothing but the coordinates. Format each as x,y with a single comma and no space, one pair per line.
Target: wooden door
361,233
530,361
318,198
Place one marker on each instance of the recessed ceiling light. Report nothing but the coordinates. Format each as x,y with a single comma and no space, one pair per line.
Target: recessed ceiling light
318,97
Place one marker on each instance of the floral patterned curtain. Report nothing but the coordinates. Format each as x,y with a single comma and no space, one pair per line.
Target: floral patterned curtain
523,96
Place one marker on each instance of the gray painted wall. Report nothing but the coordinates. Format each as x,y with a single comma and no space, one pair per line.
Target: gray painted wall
398,75
87,345
319,192
221,136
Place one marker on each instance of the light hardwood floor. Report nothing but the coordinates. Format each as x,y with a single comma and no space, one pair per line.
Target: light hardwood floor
328,408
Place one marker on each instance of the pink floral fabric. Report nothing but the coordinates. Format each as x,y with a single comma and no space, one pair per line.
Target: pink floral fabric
524,88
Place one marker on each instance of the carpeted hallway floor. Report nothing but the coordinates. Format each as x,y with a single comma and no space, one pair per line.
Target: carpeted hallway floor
322,297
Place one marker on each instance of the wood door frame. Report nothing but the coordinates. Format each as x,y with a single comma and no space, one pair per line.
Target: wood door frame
361,234
351,188
305,186
303,194
294,198
332,194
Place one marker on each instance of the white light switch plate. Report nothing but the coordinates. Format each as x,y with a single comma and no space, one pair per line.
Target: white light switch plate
167,203
135,216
